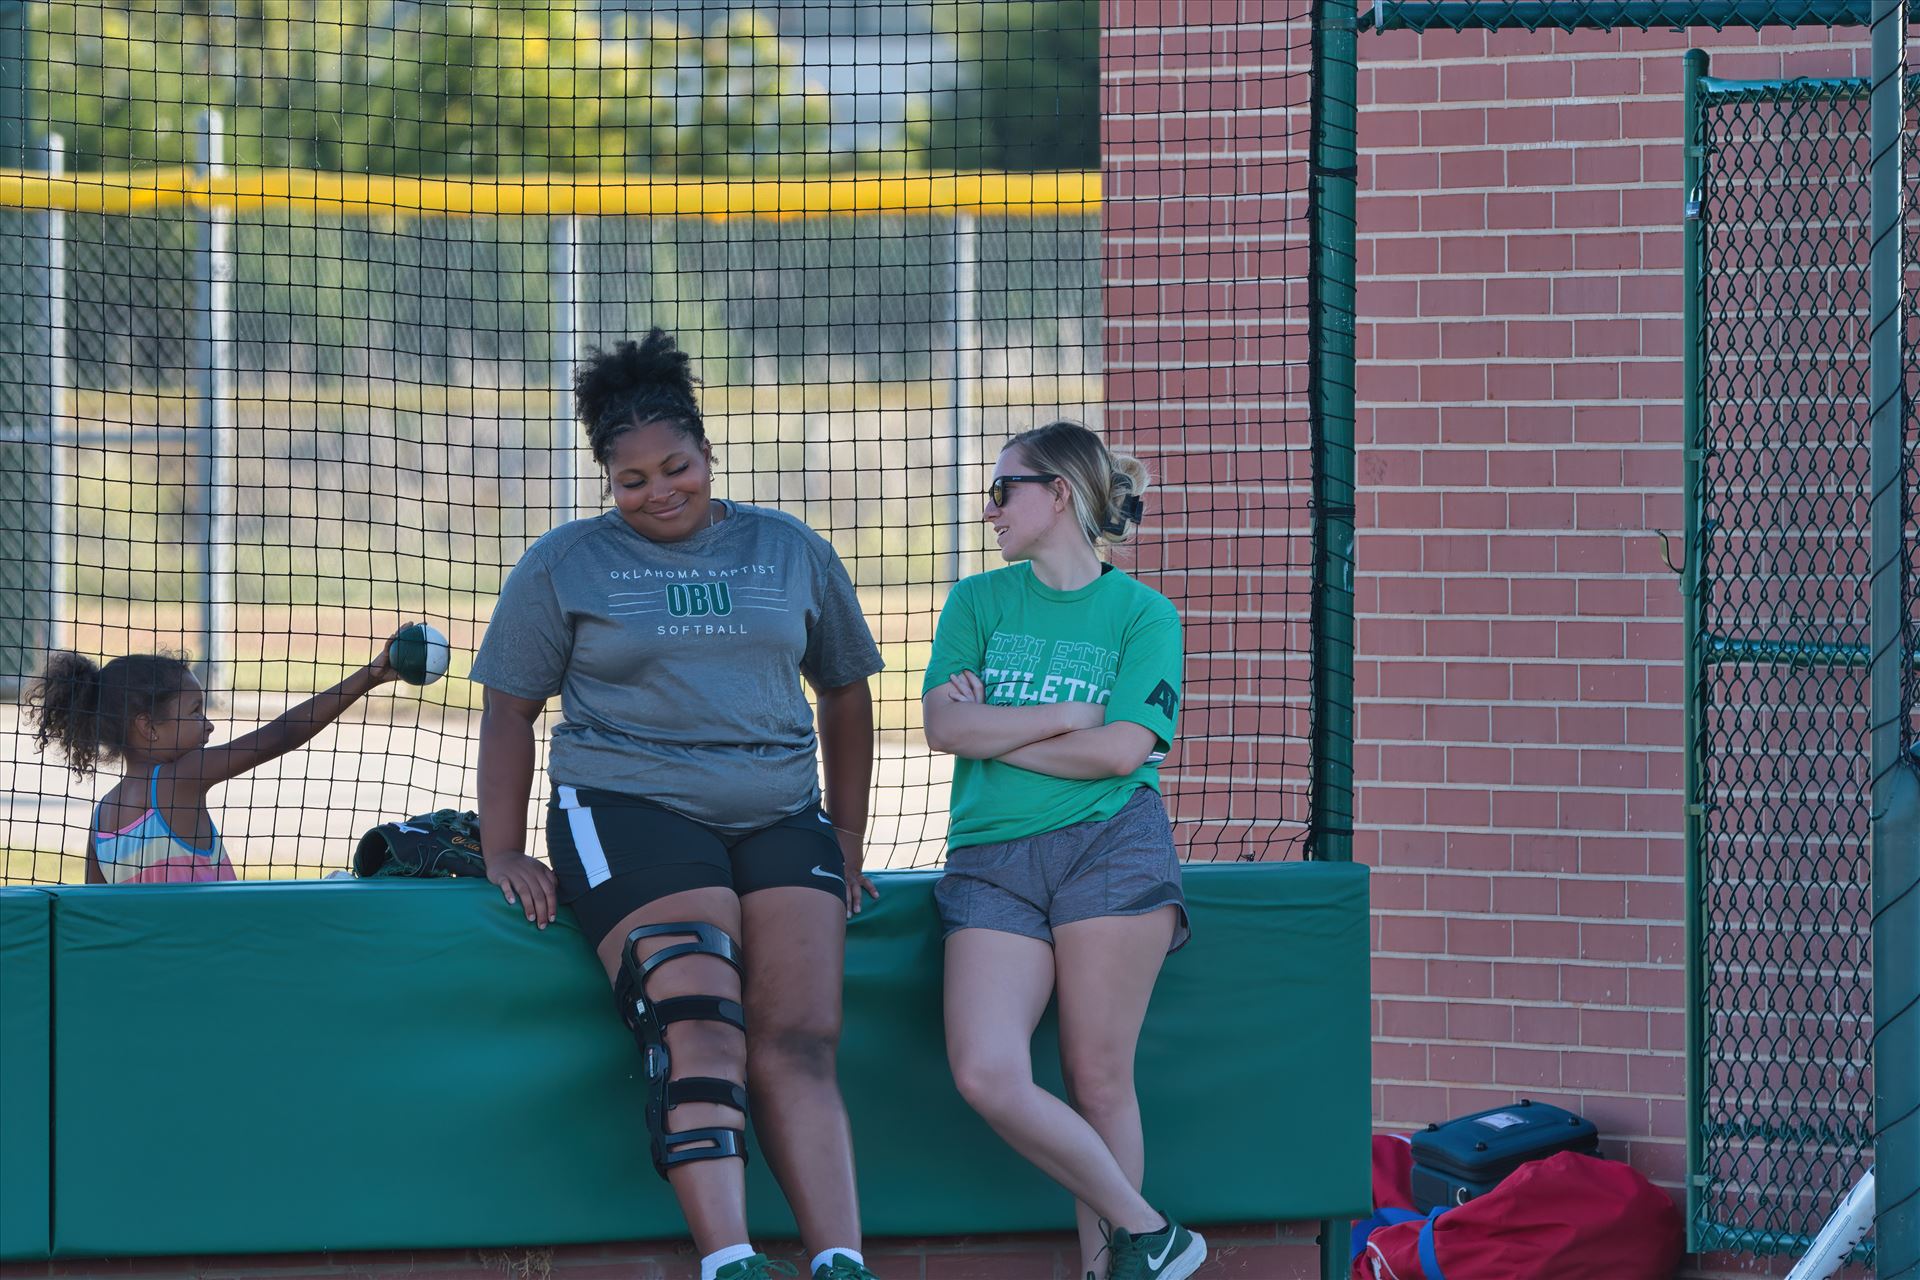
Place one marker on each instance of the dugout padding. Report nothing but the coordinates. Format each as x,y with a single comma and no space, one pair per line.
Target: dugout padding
280,1067
26,997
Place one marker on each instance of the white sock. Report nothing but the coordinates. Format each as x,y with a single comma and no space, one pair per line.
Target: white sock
711,1264
826,1255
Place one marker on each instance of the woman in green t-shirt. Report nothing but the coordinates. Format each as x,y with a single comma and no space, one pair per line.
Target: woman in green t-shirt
1056,683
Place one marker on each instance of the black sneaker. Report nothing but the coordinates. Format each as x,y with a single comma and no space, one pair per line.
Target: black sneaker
1171,1253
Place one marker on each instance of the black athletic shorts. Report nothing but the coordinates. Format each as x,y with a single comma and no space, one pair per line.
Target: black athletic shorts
613,854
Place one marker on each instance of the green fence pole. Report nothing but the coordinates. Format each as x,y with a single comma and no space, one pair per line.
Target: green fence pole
1896,790
1331,319
1693,369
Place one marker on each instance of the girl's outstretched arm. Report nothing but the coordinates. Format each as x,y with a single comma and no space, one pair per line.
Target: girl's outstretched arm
294,727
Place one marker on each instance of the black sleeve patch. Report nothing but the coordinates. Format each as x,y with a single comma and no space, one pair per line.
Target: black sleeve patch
1164,698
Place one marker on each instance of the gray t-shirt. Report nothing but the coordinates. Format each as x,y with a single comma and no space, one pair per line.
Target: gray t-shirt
678,664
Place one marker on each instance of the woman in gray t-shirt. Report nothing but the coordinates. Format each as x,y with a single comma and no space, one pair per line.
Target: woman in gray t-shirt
686,828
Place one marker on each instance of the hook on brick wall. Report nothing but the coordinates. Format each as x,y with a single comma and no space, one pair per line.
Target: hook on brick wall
1666,549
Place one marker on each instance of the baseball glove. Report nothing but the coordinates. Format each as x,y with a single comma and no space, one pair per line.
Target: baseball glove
445,842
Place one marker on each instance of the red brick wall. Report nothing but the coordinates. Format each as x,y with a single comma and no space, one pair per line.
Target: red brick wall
1519,672
1252,1253
1518,655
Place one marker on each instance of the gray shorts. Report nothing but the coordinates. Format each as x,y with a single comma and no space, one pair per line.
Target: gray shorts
1124,866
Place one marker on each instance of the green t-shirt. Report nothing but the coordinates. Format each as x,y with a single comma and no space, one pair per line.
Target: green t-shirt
1115,642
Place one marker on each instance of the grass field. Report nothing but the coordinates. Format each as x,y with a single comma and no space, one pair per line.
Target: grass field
359,505
391,756
390,496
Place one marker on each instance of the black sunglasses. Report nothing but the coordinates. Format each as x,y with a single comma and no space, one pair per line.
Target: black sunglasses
997,491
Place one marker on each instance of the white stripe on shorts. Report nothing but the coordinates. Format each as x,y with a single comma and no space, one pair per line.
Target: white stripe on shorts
586,838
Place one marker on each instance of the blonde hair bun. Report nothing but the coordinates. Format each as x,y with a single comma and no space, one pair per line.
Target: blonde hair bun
1107,486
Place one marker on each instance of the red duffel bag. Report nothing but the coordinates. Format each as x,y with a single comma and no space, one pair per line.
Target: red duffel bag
1392,1172
1568,1217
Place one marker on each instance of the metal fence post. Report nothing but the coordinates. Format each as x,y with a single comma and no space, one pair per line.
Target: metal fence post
963,371
1691,549
1334,110
59,490
1331,317
1896,789
568,476
212,278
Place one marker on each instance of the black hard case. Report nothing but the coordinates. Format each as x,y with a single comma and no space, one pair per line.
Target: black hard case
1467,1157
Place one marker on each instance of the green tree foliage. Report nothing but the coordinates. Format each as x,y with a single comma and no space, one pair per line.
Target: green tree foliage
756,114
426,87
1029,97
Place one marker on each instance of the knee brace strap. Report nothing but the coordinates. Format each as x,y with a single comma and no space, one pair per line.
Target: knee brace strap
649,1019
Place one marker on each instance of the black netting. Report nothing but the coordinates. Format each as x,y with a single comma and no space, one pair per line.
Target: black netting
284,352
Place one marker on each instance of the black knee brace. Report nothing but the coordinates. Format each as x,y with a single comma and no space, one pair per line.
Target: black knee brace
649,1020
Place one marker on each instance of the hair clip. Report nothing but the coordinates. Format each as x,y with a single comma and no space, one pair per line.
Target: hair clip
1131,509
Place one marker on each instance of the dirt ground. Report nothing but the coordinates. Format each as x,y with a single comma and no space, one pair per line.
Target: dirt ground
388,758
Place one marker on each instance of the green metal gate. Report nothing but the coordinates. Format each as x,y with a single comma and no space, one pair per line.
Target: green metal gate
1778,825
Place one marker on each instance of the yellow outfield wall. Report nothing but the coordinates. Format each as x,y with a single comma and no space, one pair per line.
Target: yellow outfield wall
1015,195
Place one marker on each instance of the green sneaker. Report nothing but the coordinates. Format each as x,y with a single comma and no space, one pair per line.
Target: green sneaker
841,1267
1171,1253
758,1267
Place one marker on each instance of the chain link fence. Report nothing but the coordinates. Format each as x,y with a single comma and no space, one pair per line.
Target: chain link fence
1910,297
1780,655
1641,15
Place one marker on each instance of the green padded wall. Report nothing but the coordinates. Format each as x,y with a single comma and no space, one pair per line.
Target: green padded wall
26,994
271,1067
